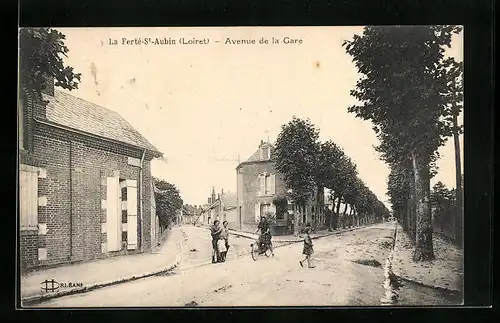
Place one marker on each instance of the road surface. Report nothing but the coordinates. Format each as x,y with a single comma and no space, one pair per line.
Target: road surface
337,280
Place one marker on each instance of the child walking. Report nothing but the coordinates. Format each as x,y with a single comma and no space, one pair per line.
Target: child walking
308,248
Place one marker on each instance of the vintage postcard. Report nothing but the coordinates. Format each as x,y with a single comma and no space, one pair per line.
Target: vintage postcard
240,166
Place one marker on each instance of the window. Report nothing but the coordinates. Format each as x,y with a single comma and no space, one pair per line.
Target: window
28,197
20,123
267,184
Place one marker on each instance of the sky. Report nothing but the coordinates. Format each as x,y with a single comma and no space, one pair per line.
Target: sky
206,105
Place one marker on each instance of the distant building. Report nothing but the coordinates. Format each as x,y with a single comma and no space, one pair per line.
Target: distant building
259,186
191,214
230,209
222,207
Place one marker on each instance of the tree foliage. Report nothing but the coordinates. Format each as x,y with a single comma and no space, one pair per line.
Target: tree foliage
404,92
307,166
168,201
296,157
41,53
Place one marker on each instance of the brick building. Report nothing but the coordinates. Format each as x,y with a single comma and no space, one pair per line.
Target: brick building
85,182
258,187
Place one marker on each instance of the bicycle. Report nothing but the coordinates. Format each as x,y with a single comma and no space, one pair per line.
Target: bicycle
259,248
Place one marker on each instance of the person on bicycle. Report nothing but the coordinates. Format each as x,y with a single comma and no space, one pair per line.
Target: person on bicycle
265,234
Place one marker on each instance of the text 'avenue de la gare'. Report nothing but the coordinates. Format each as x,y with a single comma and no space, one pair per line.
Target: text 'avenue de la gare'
203,41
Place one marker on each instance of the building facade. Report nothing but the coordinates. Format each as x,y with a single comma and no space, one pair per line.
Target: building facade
85,186
222,207
259,191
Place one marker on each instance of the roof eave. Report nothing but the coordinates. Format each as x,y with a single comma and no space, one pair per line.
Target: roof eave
155,152
254,162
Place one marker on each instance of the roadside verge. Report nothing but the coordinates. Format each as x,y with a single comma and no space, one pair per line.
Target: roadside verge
444,272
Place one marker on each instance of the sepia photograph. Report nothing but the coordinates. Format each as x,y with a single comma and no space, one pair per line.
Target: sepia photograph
198,167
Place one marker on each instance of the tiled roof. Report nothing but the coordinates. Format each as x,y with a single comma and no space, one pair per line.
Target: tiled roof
73,112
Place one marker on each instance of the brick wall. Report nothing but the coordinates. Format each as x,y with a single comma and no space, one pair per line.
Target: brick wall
53,156
248,186
28,249
75,166
30,240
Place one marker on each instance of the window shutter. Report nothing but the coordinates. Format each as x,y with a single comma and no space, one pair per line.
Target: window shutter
262,190
23,198
28,197
273,184
257,212
113,214
34,199
132,214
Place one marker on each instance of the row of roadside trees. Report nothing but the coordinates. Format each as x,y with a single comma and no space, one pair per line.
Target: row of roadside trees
168,202
308,166
412,93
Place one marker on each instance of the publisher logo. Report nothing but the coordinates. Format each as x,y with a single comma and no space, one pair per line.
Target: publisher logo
49,285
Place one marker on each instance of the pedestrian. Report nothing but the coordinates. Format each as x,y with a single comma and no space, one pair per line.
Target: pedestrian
265,237
225,238
308,248
215,231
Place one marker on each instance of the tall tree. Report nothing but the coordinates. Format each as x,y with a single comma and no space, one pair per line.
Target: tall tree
168,201
454,74
296,159
41,53
328,170
401,90
345,176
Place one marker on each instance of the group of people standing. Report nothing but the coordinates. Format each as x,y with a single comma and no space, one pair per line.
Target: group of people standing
220,241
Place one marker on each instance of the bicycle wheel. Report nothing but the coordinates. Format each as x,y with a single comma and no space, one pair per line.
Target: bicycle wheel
254,251
268,252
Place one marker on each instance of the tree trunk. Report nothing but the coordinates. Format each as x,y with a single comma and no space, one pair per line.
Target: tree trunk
344,217
411,209
336,214
423,240
296,215
351,212
355,216
458,178
319,205
329,220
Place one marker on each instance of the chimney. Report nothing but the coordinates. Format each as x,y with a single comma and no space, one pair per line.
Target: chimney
48,87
